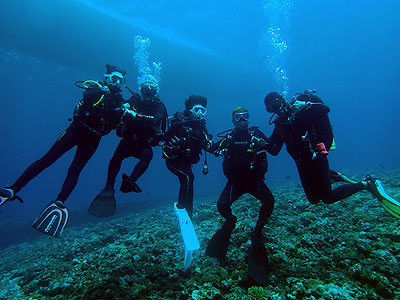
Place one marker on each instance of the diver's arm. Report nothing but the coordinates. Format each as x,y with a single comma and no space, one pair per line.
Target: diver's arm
172,131
219,147
161,113
259,140
158,117
275,142
207,141
172,141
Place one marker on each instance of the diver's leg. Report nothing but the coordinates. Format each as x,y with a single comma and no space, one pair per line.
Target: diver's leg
229,195
257,258
343,191
85,150
322,179
185,177
189,198
218,244
114,166
145,155
259,190
64,143
314,180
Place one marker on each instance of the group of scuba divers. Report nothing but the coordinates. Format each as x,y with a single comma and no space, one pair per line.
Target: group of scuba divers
302,125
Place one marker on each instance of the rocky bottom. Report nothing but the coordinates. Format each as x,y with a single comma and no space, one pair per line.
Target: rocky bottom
347,250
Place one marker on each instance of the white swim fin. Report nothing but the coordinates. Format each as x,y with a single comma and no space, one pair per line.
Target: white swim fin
188,234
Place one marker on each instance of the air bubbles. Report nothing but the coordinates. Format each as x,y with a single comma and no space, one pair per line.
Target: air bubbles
142,54
274,46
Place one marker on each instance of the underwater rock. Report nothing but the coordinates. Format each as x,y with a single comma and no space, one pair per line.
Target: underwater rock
206,292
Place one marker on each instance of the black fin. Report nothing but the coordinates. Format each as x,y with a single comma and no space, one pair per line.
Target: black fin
219,242
128,185
258,261
52,219
104,205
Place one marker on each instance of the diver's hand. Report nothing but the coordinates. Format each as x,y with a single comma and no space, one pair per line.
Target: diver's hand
320,149
132,113
261,143
258,142
219,152
209,145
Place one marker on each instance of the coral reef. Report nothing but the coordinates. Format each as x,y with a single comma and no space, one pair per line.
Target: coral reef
348,250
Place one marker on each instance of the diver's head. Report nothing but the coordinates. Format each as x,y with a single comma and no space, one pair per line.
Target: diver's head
196,106
240,117
114,77
149,88
274,103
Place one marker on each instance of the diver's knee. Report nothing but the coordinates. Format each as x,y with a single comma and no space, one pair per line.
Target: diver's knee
147,155
191,177
224,209
314,200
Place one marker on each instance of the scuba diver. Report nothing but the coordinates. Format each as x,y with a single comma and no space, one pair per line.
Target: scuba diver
141,128
304,126
185,139
96,115
245,164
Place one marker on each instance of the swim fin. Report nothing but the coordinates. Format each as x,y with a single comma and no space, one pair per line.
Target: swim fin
8,194
391,205
104,204
188,235
128,185
219,242
52,219
257,261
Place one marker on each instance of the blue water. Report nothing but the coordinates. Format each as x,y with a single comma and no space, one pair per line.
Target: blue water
348,51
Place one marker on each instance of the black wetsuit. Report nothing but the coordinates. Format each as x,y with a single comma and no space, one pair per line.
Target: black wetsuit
244,165
95,116
184,142
301,132
138,134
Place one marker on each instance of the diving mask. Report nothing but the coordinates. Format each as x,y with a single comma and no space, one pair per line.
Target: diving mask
148,90
241,115
198,110
114,78
274,105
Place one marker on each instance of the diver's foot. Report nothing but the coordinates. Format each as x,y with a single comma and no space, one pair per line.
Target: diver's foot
7,194
370,184
129,185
